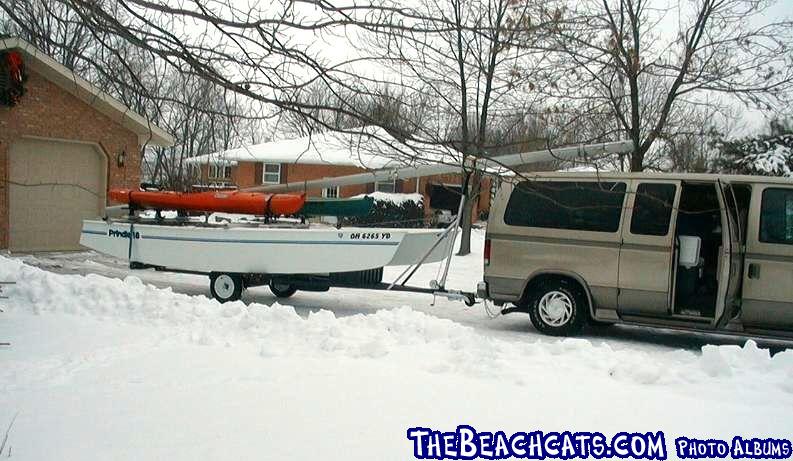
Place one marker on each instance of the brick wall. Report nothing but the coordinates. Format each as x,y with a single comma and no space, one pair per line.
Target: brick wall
245,174
304,172
48,111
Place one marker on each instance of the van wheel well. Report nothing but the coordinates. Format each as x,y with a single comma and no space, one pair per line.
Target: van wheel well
543,280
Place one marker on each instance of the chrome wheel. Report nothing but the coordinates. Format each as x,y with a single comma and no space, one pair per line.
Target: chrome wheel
224,286
556,308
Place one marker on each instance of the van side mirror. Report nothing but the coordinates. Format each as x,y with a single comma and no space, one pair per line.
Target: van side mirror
690,247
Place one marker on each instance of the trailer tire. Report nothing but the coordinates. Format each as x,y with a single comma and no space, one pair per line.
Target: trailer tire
282,290
225,287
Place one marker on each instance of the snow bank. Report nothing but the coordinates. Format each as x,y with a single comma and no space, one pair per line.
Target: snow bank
427,342
40,292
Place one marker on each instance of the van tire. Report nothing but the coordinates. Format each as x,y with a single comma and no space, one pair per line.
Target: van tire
225,287
558,309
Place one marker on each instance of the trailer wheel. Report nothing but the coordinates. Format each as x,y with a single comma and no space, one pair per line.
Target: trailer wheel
282,290
557,309
225,287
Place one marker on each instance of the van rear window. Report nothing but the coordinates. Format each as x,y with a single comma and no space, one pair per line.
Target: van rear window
585,206
776,216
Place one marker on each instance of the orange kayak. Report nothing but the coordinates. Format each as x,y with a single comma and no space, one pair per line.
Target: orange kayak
224,202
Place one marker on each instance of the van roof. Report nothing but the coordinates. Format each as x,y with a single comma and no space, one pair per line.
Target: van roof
729,178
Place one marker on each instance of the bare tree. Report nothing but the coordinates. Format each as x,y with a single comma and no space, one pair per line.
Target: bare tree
459,56
51,27
202,119
646,62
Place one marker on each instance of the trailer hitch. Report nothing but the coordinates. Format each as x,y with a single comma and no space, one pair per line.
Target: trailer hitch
454,295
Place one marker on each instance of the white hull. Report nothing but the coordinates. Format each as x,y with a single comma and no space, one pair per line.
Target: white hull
262,250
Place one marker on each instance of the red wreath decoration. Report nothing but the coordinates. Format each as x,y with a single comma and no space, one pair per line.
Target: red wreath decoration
12,78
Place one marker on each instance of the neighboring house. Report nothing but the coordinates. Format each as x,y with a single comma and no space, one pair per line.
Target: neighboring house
63,143
328,155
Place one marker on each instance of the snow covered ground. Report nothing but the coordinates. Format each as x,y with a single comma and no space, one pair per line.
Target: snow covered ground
114,366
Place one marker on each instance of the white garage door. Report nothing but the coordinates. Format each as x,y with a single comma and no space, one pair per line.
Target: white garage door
54,186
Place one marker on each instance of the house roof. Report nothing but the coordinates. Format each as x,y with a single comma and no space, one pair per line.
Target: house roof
114,109
367,147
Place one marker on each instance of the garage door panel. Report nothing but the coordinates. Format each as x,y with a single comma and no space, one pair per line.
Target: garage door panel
55,185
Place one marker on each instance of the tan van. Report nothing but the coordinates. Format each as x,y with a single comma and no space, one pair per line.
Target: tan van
704,252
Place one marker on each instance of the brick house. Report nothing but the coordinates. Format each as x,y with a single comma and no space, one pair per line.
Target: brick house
328,155
62,145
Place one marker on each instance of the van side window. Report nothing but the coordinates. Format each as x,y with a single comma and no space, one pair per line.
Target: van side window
585,206
652,209
776,216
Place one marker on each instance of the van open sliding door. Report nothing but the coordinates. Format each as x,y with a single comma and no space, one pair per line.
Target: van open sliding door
647,251
734,209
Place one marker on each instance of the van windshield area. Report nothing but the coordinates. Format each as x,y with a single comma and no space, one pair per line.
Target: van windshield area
699,221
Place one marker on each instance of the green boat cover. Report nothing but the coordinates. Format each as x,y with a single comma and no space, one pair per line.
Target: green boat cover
337,206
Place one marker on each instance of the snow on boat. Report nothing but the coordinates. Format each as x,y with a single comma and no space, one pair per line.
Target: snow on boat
263,249
255,203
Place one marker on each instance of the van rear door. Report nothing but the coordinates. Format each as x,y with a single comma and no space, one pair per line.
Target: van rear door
768,267
646,253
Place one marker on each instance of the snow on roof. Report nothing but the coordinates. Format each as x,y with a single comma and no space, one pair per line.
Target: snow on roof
375,149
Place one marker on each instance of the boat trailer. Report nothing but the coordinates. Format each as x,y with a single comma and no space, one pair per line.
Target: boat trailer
228,285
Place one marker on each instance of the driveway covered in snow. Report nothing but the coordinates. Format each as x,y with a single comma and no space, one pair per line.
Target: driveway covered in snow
107,365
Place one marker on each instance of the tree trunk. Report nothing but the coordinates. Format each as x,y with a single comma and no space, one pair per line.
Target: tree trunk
465,236
470,189
637,156
637,161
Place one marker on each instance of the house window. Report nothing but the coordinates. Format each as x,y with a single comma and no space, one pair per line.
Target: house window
331,192
220,171
386,186
271,173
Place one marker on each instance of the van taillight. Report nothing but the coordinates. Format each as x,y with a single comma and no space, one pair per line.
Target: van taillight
487,252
